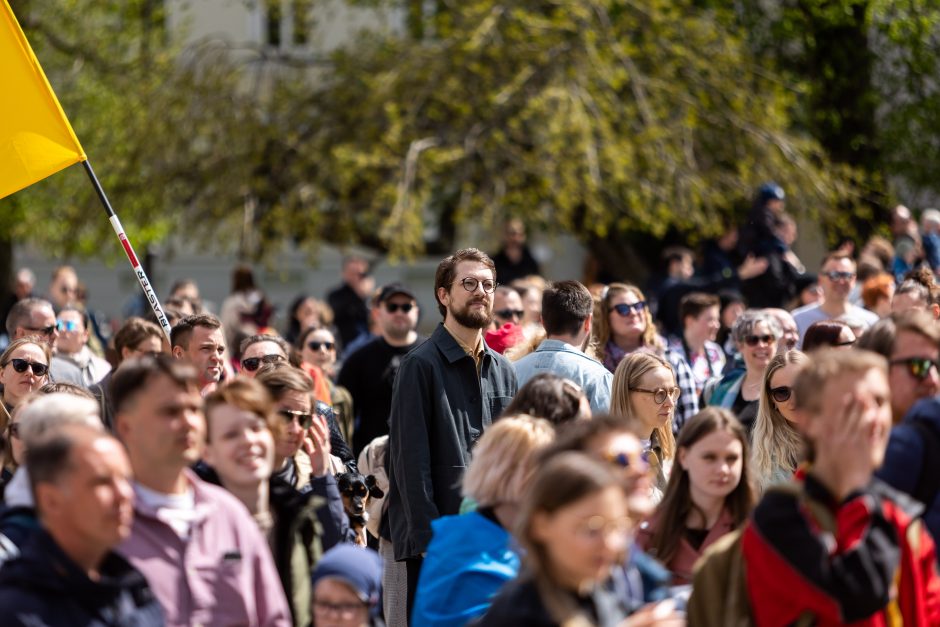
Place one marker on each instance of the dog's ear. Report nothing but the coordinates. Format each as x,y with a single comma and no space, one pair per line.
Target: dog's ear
342,481
374,490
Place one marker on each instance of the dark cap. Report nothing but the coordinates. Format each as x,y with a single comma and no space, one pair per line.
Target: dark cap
393,289
360,568
770,191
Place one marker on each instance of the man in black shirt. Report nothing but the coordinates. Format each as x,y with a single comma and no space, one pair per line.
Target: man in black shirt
369,372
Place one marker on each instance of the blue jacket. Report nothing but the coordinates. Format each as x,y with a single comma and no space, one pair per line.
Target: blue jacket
469,559
566,361
904,457
44,587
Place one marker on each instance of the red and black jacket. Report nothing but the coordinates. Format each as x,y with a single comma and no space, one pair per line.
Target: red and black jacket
813,561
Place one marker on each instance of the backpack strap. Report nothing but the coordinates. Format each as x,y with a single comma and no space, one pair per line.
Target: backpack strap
928,483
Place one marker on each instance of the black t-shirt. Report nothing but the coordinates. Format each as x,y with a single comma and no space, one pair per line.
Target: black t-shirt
746,411
369,375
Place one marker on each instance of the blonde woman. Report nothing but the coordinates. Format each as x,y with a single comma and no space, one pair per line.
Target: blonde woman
777,444
471,556
623,325
644,392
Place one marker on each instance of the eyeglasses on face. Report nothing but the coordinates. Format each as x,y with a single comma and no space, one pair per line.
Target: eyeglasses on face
303,419
470,284
22,365
510,314
660,394
253,363
917,367
66,325
597,527
781,394
836,275
625,310
42,330
315,346
342,610
403,307
754,340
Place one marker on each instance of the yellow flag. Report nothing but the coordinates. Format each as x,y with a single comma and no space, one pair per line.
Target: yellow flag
36,139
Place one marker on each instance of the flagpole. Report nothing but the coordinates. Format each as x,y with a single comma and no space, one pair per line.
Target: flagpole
129,250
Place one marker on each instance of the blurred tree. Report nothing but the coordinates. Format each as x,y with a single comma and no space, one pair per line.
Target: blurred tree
601,118
616,121
166,129
866,74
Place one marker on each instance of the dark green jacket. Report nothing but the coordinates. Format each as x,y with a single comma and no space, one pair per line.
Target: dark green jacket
440,407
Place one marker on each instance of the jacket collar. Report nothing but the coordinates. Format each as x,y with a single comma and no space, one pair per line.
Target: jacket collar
452,351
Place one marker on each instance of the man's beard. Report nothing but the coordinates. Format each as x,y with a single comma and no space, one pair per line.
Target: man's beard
472,319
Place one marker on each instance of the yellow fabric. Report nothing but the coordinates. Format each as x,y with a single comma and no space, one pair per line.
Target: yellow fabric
36,139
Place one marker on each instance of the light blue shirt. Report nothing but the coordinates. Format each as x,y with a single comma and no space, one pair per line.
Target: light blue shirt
567,361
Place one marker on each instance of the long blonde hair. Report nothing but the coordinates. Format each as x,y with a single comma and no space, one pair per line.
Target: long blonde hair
776,443
626,378
650,338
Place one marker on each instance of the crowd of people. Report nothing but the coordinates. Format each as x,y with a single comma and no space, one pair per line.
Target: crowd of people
750,444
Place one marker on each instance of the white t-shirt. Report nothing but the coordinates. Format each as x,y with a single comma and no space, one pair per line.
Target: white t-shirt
176,510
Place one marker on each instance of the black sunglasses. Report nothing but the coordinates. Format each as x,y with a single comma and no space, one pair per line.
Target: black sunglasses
315,346
42,330
625,310
623,460
303,419
781,394
754,340
22,365
918,367
509,313
253,363
835,275
393,307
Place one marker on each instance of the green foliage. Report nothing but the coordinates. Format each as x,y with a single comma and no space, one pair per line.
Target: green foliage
593,117
164,127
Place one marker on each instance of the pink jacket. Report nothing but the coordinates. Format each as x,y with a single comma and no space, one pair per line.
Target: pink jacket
223,575
685,557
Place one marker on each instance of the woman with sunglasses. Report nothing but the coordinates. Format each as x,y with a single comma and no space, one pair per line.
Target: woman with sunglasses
644,392
472,555
574,530
24,368
623,325
709,493
241,424
641,580
755,334
318,347
777,444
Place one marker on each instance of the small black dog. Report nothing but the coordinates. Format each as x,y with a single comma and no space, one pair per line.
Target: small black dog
357,490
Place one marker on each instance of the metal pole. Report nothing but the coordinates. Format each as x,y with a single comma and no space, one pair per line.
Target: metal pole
149,293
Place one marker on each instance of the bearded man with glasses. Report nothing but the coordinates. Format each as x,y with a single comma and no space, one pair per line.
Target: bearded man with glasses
447,392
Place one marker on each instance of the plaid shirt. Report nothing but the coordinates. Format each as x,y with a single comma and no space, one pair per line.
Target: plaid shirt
687,405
